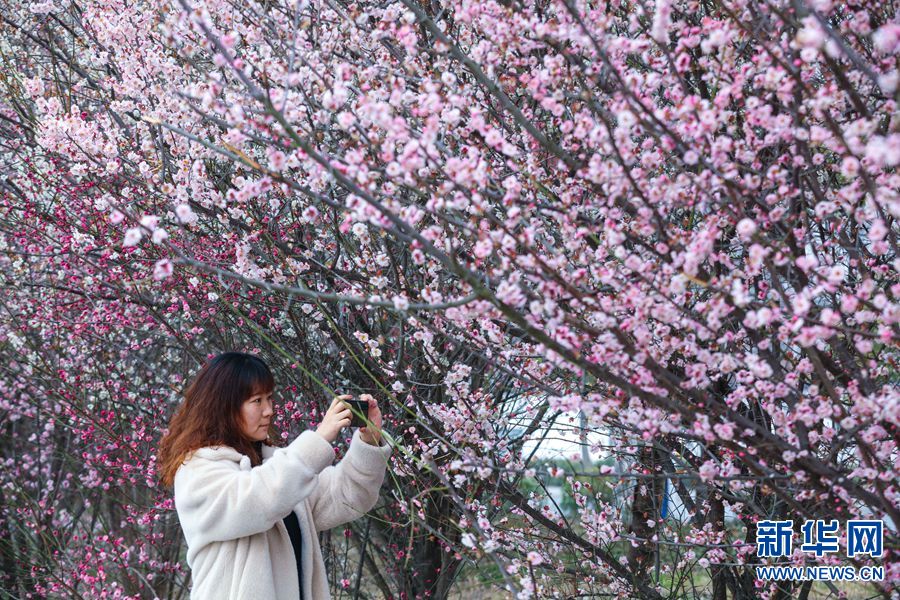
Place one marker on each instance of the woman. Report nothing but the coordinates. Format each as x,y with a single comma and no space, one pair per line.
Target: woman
250,511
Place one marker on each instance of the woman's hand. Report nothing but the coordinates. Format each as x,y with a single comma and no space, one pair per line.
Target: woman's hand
336,418
371,434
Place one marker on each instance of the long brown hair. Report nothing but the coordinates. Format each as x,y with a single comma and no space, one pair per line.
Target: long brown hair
210,414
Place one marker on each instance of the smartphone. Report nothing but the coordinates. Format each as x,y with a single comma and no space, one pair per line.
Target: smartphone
358,406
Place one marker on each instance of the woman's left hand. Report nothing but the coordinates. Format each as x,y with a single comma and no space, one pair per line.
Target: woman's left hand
371,434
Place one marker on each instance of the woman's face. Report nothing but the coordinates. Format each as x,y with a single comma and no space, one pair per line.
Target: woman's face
256,413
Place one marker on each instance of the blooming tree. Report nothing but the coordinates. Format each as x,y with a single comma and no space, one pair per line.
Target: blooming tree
670,226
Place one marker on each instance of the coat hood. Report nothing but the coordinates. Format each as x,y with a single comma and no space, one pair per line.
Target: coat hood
230,454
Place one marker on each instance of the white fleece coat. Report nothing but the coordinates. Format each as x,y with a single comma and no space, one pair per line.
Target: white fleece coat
231,514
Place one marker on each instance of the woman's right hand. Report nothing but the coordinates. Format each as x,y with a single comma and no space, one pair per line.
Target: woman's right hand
336,418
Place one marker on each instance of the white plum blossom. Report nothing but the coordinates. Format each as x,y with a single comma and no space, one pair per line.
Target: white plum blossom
886,39
662,17
162,269
185,214
746,228
811,35
510,293
132,236
158,235
149,221
401,303
708,471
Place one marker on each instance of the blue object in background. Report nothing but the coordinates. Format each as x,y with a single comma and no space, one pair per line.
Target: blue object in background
664,510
